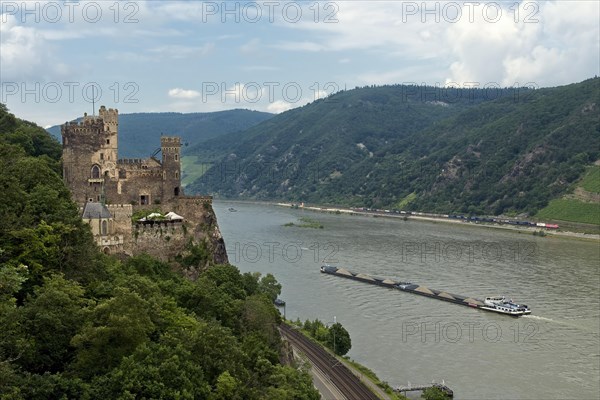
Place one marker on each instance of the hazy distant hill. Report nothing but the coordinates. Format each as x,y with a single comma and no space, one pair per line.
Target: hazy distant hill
139,133
377,147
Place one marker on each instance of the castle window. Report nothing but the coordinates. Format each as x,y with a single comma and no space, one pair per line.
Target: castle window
176,192
104,228
176,174
95,172
102,156
144,199
107,141
176,157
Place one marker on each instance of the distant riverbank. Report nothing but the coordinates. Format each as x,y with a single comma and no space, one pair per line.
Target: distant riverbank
412,217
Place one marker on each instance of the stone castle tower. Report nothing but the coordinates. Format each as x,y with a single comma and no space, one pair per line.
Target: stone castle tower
171,162
94,172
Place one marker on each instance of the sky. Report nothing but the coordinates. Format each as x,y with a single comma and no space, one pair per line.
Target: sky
59,59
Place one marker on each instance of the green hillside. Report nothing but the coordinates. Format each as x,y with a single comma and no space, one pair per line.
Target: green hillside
581,204
591,180
571,210
139,133
346,126
374,147
298,150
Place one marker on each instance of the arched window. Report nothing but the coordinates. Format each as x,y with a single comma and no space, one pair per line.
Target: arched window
104,228
95,172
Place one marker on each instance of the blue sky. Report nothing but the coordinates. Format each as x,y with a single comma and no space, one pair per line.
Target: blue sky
146,56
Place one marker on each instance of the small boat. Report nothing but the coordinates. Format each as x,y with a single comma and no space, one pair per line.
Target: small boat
231,209
279,303
502,305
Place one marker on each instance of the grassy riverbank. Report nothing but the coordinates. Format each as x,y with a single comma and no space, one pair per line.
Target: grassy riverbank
568,229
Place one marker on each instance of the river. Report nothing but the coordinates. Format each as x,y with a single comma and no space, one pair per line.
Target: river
552,354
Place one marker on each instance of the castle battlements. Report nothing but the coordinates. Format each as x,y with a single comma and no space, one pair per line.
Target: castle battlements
130,161
170,140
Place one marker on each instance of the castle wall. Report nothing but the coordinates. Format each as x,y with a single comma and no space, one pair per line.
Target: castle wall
164,241
131,190
122,214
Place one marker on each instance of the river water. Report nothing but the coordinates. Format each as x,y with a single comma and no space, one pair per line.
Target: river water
552,354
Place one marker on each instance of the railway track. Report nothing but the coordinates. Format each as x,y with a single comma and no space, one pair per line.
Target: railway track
347,383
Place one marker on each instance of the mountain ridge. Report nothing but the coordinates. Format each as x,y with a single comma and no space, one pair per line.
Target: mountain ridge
368,148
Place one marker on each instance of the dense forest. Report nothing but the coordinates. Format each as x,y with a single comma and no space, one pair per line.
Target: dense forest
139,133
79,324
507,152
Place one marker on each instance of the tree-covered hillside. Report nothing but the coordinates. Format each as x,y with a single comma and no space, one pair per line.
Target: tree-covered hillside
377,147
139,133
76,324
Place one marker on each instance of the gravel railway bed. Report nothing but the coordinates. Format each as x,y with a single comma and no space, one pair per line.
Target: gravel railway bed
348,383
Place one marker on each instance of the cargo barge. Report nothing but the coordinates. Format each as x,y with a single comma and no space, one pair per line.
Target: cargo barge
496,304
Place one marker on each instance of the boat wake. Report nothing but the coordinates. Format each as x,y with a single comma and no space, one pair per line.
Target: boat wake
593,328
537,317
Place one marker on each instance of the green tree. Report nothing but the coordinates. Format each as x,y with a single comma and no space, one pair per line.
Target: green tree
260,316
114,329
51,317
339,339
434,393
269,286
153,371
227,388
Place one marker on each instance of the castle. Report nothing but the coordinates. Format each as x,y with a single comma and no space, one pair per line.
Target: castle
94,173
110,191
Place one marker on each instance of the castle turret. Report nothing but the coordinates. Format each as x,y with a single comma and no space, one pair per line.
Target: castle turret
90,154
171,165
110,146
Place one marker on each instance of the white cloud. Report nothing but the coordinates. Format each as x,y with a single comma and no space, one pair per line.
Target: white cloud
561,47
179,93
280,106
254,68
181,51
299,46
26,55
250,47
